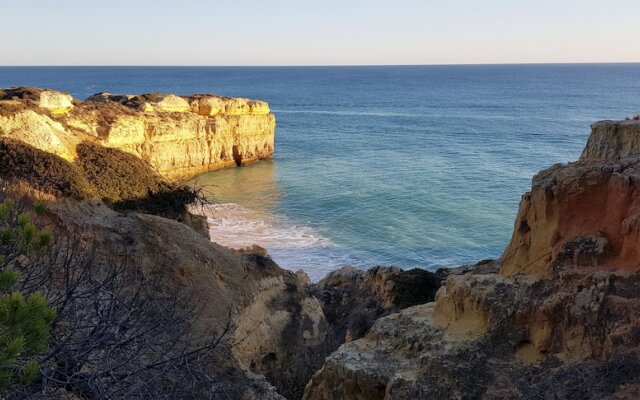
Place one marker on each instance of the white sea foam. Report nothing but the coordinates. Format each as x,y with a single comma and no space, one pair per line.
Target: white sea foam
293,246
237,227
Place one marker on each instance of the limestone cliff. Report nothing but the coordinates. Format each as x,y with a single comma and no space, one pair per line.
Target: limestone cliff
179,136
556,317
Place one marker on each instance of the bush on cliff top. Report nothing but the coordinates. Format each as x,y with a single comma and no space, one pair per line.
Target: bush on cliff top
128,183
119,178
117,175
44,171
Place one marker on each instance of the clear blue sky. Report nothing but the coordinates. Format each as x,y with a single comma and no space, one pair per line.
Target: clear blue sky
299,32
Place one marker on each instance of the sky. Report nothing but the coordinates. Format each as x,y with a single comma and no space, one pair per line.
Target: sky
328,32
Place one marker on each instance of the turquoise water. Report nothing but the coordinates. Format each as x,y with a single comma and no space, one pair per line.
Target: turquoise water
407,166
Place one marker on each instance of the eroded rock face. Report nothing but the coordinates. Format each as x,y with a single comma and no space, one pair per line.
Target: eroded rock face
584,213
492,337
613,140
273,317
178,136
557,317
281,322
351,300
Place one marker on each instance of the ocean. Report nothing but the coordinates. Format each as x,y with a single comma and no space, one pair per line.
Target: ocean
412,166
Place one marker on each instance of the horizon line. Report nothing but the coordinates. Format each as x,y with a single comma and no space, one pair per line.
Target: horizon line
313,65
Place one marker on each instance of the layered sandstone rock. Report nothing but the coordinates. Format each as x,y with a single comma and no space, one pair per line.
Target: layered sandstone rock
584,213
491,337
557,317
178,136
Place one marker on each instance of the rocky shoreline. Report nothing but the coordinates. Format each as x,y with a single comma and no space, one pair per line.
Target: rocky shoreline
557,316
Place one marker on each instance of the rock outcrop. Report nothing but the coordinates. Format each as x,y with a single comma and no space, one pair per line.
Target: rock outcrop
273,317
558,316
179,136
352,299
613,140
585,213
492,337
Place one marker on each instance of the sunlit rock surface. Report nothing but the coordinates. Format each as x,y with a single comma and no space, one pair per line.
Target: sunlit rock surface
179,136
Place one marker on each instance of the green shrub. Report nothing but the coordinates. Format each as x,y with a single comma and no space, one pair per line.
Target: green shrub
128,183
25,319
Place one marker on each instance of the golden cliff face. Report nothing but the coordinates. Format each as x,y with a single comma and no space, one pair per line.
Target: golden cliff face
585,213
179,136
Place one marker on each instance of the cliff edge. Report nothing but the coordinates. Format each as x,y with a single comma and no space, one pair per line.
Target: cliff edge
178,136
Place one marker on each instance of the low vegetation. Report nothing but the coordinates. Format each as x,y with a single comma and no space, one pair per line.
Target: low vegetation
117,175
42,170
25,316
74,324
120,179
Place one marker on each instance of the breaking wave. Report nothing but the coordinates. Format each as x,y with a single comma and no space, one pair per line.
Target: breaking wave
237,227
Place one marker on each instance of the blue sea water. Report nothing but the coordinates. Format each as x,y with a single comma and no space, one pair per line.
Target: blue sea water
415,166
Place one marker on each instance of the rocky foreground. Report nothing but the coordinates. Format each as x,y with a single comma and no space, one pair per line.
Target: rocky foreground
556,317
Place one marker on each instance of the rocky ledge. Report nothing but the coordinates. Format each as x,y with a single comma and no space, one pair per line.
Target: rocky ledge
179,136
556,317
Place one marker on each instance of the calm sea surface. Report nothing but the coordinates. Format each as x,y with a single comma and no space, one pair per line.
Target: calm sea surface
408,166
